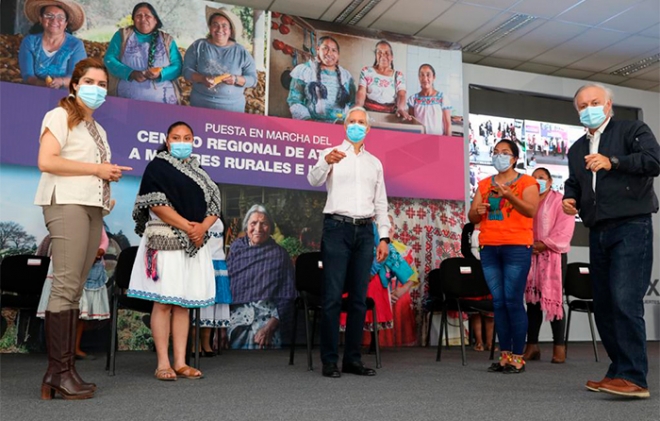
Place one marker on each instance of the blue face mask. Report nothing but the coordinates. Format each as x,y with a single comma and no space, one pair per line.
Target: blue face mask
543,185
501,162
181,150
593,117
356,132
91,95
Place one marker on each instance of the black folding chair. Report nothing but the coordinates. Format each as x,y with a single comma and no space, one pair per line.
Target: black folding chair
22,278
120,281
460,280
577,283
309,281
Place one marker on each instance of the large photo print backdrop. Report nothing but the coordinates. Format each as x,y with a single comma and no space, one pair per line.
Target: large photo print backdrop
255,159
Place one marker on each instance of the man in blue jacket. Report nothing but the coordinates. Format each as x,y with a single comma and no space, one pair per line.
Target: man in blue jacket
611,184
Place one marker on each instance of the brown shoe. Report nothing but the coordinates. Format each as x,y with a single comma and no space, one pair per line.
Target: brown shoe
558,354
623,387
532,352
595,386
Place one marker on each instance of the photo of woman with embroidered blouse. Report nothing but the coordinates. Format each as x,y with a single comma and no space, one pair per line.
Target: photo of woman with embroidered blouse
553,231
504,205
218,66
262,285
143,60
321,89
429,106
48,55
176,205
382,88
74,192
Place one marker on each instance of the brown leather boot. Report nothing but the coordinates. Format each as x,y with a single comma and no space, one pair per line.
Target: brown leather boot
60,343
74,325
532,352
558,354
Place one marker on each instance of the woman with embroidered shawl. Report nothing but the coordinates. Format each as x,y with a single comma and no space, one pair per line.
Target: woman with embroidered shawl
553,230
262,285
144,61
176,205
321,90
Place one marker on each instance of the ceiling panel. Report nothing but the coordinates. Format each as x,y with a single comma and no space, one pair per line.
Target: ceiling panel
375,13
638,84
580,47
653,74
540,40
512,36
572,73
498,4
471,58
593,12
653,31
255,4
536,68
302,8
639,16
655,88
546,9
607,78
616,54
457,22
500,62
335,9
409,20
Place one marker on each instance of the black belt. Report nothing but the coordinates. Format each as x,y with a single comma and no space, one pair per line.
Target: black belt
348,219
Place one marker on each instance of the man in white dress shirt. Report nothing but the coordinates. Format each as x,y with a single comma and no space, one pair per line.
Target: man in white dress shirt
356,197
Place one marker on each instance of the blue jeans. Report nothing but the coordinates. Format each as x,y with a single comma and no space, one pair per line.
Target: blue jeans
621,256
506,269
347,251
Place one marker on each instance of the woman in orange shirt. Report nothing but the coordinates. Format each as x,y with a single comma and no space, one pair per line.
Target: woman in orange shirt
505,205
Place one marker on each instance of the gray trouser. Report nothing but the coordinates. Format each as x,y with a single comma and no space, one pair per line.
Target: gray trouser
75,232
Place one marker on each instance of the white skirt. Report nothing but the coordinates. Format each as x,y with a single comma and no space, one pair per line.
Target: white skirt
182,280
214,316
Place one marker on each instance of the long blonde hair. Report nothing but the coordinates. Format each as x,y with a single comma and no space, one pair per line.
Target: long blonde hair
69,103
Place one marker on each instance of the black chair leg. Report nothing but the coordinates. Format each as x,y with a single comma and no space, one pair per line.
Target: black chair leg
310,366
197,336
446,319
593,334
492,345
113,335
293,333
568,329
428,330
376,340
314,323
442,328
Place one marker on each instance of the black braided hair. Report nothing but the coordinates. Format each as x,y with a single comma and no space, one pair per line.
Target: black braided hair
343,97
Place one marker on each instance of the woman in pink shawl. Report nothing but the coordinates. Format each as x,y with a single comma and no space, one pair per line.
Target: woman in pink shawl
553,230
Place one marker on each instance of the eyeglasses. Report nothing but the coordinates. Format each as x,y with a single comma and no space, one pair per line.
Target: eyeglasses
503,154
51,16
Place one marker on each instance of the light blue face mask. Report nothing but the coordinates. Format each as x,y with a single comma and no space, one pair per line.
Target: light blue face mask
91,95
593,117
356,132
501,162
181,150
543,185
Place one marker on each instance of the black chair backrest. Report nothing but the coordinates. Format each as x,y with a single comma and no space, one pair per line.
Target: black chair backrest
24,274
125,266
435,289
466,241
309,275
578,281
462,278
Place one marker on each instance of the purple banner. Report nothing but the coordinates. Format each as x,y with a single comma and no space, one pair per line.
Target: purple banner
238,148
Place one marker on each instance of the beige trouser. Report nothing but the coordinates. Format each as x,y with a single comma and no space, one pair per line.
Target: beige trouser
75,232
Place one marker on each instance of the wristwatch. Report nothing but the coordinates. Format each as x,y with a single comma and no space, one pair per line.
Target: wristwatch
386,239
615,162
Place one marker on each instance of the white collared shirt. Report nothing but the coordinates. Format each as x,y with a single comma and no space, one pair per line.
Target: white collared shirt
594,143
356,185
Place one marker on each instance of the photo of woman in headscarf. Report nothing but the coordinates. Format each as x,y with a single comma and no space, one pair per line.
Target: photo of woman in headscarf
321,89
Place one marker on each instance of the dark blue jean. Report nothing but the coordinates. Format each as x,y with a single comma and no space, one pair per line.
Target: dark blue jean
506,269
347,251
621,256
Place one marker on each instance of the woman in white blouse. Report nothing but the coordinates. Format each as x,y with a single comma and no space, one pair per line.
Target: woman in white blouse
74,191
